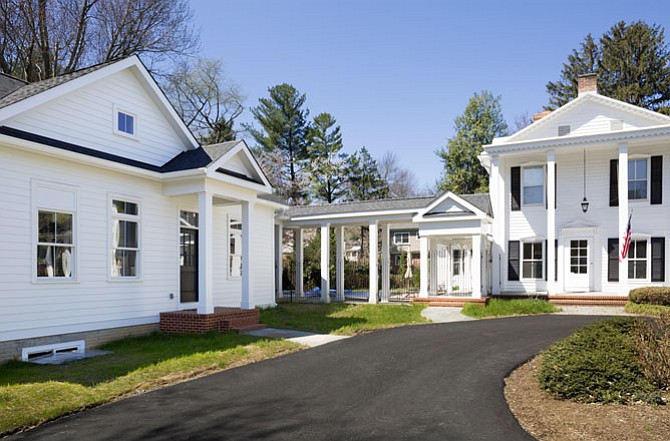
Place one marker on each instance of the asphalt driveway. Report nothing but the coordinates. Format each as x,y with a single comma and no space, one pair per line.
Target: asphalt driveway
440,381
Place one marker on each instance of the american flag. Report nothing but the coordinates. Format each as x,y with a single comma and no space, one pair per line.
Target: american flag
626,241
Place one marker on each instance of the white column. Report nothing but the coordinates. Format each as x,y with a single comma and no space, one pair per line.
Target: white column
339,266
386,264
205,252
433,272
279,263
476,265
299,262
247,217
325,263
423,268
551,222
498,203
623,214
373,237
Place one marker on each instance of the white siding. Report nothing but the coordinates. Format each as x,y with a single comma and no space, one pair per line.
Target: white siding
86,117
263,256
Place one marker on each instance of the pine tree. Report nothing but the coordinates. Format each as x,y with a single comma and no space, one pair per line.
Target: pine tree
580,62
327,160
365,181
481,121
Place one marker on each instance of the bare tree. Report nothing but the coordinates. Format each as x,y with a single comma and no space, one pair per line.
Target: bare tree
40,39
402,182
205,99
522,121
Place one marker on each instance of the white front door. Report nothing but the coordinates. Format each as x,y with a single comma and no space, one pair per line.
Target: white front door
578,265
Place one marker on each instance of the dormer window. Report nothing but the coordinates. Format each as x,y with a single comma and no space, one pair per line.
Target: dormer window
125,123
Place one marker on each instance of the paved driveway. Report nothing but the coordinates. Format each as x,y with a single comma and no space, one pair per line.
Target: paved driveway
440,381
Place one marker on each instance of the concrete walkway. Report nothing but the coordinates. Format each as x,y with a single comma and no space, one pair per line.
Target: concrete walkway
592,310
442,314
305,338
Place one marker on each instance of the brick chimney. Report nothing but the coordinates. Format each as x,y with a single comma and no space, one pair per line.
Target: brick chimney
539,116
587,83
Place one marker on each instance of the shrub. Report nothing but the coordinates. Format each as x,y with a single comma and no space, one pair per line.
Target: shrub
652,342
650,295
597,364
650,310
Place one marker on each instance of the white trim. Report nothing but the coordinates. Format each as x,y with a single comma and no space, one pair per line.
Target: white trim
542,203
420,216
110,241
241,146
229,219
79,345
115,122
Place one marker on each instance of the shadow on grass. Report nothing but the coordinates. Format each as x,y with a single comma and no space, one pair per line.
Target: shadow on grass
127,355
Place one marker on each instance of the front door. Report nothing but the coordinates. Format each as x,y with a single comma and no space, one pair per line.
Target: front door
188,258
578,265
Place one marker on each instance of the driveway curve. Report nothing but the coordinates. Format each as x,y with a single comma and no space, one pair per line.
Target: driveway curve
441,381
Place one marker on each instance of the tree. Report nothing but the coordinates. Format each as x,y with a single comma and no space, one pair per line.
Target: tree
478,125
40,39
632,62
206,101
365,180
328,163
283,140
401,181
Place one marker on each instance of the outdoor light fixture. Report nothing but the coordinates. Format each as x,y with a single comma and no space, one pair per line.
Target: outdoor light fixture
585,203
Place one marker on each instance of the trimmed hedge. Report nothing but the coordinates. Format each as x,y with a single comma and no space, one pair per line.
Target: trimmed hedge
650,295
597,364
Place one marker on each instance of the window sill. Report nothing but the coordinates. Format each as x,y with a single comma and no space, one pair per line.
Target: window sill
55,281
124,280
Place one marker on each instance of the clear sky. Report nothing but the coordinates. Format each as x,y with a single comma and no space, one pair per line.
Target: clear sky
394,73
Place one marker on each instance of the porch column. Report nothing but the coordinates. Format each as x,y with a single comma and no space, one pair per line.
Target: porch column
386,264
623,214
423,268
432,272
299,264
339,257
551,222
205,252
325,263
498,192
279,262
372,239
247,217
476,265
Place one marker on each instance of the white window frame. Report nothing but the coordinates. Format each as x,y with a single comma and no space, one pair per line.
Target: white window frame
115,122
457,262
523,186
646,259
648,179
71,245
531,259
238,246
112,216
399,234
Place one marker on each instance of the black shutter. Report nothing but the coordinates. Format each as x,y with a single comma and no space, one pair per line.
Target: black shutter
556,260
614,182
516,189
658,259
555,185
612,260
546,260
656,180
513,260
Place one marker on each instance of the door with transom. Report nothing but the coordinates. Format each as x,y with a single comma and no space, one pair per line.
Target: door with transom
578,265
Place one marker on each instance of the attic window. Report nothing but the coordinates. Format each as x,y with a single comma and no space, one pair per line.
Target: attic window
616,124
125,123
563,130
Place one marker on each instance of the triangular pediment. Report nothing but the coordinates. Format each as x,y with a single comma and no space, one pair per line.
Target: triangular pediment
448,206
239,162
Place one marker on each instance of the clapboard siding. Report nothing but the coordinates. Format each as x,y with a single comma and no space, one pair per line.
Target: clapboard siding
262,256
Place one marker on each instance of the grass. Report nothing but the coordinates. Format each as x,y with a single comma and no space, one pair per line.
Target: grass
340,318
31,394
642,309
509,307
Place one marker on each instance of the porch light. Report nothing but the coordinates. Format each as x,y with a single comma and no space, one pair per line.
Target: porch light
585,205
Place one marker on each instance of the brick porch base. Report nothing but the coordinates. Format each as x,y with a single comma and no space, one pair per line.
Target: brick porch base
221,320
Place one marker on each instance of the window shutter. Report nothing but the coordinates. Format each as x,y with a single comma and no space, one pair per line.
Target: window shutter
614,182
513,260
658,259
516,188
612,260
556,260
656,180
555,185
546,254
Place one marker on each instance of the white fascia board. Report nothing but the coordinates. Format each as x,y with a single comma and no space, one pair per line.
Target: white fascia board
429,220
213,174
443,197
242,146
358,214
662,132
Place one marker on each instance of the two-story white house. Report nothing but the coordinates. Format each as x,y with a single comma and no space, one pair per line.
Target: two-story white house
562,190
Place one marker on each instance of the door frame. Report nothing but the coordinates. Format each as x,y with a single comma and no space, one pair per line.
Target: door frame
183,305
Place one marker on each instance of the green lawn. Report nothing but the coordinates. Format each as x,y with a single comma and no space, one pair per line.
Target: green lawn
340,318
31,394
509,307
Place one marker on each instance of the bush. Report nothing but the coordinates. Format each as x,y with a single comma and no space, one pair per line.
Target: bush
650,310
652,342
597,364
650,295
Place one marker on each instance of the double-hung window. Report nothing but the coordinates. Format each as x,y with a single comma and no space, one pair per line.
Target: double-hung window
637,179
532,264
637,259
55,245
457,262
125,250
235,229
401,238
533,185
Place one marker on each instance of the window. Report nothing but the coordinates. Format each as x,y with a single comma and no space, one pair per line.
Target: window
125,123
125,239
235,228
400,238
579,251
457,262
55,246
637,179
532,260
637,259
533,185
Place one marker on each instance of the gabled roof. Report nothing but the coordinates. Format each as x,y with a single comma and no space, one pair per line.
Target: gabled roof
450,205
9,84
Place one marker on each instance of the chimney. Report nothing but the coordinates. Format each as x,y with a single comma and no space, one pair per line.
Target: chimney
539,116
587,83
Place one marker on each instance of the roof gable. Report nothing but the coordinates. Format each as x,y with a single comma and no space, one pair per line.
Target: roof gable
234,158
449,205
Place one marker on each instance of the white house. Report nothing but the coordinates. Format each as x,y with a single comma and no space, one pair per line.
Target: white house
114,214
562,190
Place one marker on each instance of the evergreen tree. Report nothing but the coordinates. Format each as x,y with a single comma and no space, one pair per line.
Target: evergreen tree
328,163
283,140
632,62
478,125
365,180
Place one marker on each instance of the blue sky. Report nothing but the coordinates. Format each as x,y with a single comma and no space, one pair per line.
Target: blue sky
395,74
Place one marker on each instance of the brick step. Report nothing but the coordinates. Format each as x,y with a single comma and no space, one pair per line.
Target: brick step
248,328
